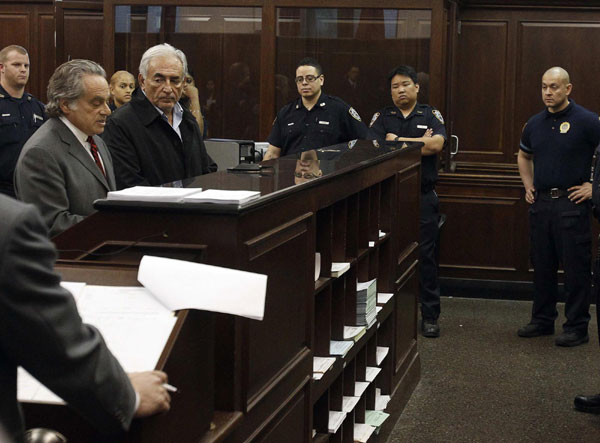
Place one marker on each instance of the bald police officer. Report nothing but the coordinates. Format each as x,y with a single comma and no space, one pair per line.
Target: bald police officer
315,119
21,114
555,159
407,120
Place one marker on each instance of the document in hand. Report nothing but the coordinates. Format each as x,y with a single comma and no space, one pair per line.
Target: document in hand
180,284
152,194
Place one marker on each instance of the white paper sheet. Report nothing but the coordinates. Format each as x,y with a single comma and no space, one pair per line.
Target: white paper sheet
384,297
382,351
335,421
371,373
337,347
185,285
360,387
152,193
349,403
362,432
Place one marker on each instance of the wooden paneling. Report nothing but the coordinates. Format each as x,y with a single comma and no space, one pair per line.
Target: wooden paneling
83,35
14,29
481,72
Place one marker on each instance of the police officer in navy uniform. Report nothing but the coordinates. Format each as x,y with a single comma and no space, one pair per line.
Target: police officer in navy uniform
315,119
20,112
555,160
408,120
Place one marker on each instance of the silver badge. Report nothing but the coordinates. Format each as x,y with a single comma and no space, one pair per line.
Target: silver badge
354,114
374,119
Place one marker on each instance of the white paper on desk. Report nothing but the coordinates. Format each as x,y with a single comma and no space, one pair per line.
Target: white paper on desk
181,284
349,403
360,387
384,297
335,421
31,390
75,288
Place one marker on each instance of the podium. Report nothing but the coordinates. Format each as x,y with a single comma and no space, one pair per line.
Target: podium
360,206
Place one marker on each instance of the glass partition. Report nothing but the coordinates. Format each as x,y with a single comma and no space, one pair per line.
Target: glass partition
222,45
356,47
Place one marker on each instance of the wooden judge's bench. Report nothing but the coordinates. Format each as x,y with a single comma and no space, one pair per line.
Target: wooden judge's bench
246,380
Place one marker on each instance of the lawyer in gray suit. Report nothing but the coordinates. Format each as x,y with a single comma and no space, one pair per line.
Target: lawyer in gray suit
65,166
41,330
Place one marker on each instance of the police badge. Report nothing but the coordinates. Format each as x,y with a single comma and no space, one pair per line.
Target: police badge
374,119
354,114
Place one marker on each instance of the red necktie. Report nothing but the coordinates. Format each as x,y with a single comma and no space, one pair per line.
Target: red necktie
95,154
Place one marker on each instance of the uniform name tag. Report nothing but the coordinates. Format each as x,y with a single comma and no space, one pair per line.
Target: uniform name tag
5,115
422,126
290,124
321,122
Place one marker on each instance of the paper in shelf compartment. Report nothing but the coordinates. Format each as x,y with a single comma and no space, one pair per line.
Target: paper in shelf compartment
349,403
317,265
384,297
360,387
375,418
354,332
371,373
381,401
336,419
362,432
340,347
321,365
382,352
338,268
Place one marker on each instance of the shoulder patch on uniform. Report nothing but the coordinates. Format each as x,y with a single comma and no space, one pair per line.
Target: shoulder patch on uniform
374,119
354,114
376,143
351,144
438,115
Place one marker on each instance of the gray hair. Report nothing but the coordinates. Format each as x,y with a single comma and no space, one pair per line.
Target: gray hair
67,83
162,50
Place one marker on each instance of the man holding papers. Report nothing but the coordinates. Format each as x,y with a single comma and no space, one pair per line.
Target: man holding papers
40,330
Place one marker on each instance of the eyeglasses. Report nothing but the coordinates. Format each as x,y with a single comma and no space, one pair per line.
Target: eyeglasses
308,78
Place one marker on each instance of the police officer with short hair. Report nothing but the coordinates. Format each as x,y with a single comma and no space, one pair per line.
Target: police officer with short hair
314,120
555,159
408,120
21,114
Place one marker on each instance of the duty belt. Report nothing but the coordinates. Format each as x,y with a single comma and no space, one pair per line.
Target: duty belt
554,193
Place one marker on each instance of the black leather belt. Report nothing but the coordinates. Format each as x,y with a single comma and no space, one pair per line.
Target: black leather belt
553,193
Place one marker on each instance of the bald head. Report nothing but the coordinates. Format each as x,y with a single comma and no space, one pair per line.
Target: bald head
558,72
556,88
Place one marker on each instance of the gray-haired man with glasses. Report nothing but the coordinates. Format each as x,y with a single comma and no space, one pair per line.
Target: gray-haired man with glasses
314,120
153,139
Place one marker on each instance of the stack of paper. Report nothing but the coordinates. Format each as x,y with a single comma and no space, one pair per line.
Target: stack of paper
338,268
340,347
321,365
354,332
375,418
335,420
360,387
152,194
381,353
349,403
371,373
381,401
362,432
224,197
366,303
384,297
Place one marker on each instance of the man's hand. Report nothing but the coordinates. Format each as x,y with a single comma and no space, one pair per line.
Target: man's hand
154,398
581,193
390,136
428,133
530,195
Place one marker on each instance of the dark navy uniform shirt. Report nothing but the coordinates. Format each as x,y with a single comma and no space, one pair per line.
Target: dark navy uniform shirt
390,119
330,121
19,118
562,145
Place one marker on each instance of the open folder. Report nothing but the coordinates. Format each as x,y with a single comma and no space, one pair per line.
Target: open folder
136,322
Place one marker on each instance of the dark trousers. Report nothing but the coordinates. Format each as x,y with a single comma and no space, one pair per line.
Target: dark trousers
560,233
429,285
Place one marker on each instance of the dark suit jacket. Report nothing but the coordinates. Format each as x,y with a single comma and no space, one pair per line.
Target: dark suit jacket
146,150
55,173
41,330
